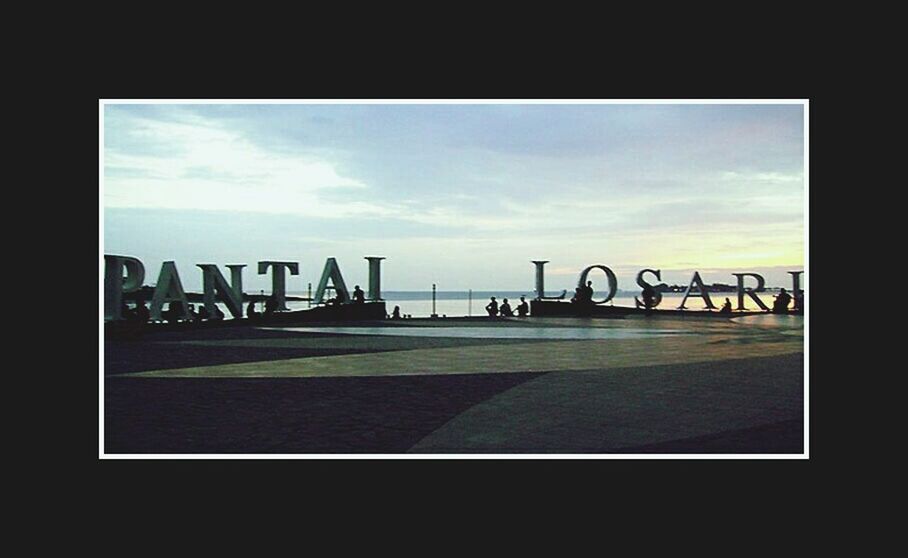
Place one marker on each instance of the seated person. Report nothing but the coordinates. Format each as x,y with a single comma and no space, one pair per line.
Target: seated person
588,293
359,297
141,312
396,314
726,308
251,312
492,307
270,305
127,313
174,312
649,297
523,308
780,304
505,309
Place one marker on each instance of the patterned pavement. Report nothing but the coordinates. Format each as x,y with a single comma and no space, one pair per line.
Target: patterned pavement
713,386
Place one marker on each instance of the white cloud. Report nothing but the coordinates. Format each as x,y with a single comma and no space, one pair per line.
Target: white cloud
213,168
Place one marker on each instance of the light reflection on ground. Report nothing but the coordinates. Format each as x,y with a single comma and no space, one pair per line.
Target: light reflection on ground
787,324
551,333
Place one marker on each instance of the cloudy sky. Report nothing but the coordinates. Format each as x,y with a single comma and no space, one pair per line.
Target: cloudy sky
459,195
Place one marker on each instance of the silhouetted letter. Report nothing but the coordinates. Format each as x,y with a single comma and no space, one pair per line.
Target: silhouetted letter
540,278
115,284
374,277
212,281
612,281
657,297
332,271
169,289
278,283
742,290
795,282
695,280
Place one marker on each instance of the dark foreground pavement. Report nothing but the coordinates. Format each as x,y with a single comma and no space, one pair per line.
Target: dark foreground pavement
463,413
274,415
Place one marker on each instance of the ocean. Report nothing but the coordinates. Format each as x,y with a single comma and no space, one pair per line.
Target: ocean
418,304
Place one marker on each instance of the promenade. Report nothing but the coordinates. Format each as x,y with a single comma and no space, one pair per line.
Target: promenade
667,385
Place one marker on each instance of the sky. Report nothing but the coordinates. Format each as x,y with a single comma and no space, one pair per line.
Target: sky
460,195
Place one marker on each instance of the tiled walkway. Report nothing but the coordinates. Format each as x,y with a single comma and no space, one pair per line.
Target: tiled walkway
732,385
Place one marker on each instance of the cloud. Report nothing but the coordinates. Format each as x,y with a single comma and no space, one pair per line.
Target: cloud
206,165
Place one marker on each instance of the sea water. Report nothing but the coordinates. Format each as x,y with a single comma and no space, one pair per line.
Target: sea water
525,332
452,304
458,304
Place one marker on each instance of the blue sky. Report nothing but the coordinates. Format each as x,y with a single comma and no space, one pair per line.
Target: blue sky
459,195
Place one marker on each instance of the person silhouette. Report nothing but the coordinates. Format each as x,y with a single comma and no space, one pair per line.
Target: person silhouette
492,307
141,312
523,308
505,309
726,308
174,312
359,297
588,293
251,312
780,304
396,314
270,305
649,299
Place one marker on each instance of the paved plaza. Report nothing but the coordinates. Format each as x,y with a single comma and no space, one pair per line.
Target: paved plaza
647,385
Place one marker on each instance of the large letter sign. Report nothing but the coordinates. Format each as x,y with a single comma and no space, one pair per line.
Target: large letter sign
695,280
169,289
278,282
795,283
750,292
212,281
657,298
115,284
374,277
333,272
540,282
612,281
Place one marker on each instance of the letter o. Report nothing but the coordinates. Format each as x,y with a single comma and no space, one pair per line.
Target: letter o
612,281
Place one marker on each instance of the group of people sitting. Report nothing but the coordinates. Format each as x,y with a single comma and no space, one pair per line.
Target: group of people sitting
359,297
505,310
174,312
270,308
783,299
779,303
583,294
139,314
